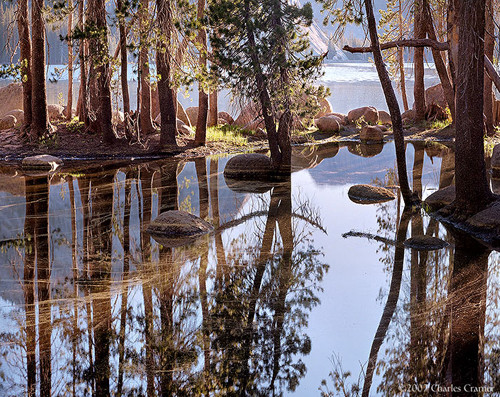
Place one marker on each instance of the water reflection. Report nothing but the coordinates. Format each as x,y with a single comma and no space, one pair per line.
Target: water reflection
107,311
92,305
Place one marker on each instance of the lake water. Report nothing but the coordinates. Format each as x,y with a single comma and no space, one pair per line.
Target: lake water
277,300
351,85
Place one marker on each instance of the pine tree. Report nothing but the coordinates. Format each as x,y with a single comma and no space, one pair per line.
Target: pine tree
263,55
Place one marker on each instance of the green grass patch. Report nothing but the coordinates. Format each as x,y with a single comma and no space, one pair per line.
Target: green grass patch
229,134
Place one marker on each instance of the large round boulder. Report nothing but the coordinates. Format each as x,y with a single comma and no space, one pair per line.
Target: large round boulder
371,133
11,97
44,162
384,117
368,194
250,166
18,114
425,243
7,122
225,116
441,198
328,123
250,118
325,108
435,96
177,228
369,114
408,115
55,112
192,114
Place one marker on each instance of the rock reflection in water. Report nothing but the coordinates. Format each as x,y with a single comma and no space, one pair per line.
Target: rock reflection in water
123,315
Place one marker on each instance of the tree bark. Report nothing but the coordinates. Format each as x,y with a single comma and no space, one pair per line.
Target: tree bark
489,47
145,121
201,122
82,100
123,52
25,59
418,60
449,93
401,59
472,190
40,121
213,110
69,107
100,90
166,95
392,103
440,46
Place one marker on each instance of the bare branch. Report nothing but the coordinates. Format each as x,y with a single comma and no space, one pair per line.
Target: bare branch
437,45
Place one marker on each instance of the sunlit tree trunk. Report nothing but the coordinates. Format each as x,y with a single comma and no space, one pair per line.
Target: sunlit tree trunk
418,60
213,111
69,107
201,123
166,93
392,104
489,47
82,108
40,121
401,61
472,190
122,9
100,77
25,59
146,124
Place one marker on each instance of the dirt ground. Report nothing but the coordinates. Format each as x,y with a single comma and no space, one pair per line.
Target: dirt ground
78,145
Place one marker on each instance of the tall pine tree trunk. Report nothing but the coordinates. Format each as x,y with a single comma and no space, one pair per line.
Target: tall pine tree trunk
213,110
146,124
69,107
201,122
489,47
123,56
40,121
418,60
446,83
100,90
166,94
392,104
472,190
25,59
82,108
401,61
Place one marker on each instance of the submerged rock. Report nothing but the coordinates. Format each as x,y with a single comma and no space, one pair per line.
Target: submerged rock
44,162
425,243
252,166
441,198
248,186
177,228
489,218
367,194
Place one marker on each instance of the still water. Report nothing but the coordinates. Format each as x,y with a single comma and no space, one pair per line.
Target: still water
351,85
278,301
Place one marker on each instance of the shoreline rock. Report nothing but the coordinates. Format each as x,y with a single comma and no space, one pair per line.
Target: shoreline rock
368,194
